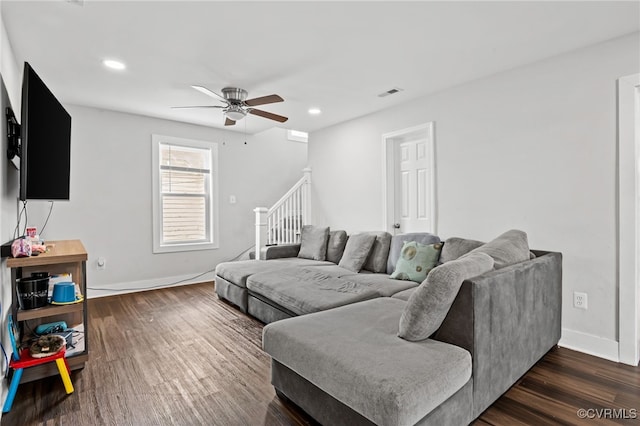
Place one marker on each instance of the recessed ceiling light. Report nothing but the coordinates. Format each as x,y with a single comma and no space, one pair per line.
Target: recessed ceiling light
314,111
113,64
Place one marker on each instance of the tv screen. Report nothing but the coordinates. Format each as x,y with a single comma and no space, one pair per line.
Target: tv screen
46,142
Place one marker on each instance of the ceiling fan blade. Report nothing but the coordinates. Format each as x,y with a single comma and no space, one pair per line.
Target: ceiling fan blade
263,100
198,106
269,115
209,93
229,122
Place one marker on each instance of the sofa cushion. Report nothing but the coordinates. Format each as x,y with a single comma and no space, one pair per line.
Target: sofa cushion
381,283
304,290
416,261
332,270
397,241
353,354
357,251
455,247
238,272
298,261
313,242
404,294
335,246
428,305
377,260
507,249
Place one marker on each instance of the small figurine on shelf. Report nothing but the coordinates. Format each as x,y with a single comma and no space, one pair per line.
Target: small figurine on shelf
37,245
38,248
32,233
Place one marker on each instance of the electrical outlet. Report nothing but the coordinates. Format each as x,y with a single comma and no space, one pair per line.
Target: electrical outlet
101,263
579,300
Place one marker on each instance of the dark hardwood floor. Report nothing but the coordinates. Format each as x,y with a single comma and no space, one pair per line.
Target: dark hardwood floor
180,356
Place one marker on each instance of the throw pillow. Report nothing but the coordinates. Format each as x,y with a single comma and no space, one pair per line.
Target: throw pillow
455,247
357,251
507,249
397,241
335,247
429,304
416,261
313,242
377,261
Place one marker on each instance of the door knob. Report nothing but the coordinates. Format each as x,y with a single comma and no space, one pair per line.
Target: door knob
396,225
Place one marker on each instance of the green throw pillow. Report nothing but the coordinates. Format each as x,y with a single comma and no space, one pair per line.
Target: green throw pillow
416,261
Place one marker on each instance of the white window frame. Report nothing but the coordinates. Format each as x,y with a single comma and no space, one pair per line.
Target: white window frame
213,207
297,136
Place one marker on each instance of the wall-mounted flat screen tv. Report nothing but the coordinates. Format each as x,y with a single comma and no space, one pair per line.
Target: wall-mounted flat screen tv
45,160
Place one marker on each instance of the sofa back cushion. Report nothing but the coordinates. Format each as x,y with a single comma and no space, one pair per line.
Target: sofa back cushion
335,246
428,305
397,241
416,261
507,249
455,247
357,251
313,242
377,261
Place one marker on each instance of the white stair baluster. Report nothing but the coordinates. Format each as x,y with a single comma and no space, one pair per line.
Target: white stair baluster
284,221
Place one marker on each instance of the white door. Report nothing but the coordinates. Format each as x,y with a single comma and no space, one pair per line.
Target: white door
409,193
413,186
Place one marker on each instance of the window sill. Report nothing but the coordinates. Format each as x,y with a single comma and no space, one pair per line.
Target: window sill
174,248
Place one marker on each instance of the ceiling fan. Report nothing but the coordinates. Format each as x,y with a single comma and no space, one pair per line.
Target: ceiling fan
238,106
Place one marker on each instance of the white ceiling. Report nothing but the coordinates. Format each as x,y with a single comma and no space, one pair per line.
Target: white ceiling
337,56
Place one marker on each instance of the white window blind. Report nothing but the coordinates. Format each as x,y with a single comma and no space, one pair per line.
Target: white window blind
183,198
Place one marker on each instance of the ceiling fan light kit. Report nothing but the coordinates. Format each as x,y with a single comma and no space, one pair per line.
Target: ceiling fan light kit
235,112
238,106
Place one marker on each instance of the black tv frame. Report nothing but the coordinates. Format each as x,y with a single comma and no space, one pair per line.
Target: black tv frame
55,192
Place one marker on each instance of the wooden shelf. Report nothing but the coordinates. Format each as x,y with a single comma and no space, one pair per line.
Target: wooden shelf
63,257
49,311
68,251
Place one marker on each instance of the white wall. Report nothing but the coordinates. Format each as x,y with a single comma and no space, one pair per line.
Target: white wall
111,193
9,178
533,148
110,206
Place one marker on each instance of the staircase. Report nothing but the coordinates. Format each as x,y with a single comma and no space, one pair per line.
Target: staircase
283,222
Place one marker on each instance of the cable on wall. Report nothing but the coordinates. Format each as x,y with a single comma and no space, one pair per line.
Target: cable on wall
114,290
6,358
46,220
23,211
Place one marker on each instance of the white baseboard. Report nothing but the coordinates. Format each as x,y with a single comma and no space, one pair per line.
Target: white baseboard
590,344
143,285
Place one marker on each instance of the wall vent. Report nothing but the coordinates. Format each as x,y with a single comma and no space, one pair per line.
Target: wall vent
390,92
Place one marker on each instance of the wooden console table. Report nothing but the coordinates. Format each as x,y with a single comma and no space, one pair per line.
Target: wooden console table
70,257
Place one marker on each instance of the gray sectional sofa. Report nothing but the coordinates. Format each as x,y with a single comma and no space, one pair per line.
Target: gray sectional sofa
357,347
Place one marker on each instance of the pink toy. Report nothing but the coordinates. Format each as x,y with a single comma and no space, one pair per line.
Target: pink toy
38,248
21,248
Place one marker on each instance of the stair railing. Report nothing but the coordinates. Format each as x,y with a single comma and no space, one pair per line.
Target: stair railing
283,222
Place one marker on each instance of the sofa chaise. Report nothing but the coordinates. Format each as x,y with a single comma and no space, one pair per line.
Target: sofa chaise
360,347
293,281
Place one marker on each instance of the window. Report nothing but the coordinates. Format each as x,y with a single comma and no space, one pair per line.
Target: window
297,136
184,194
